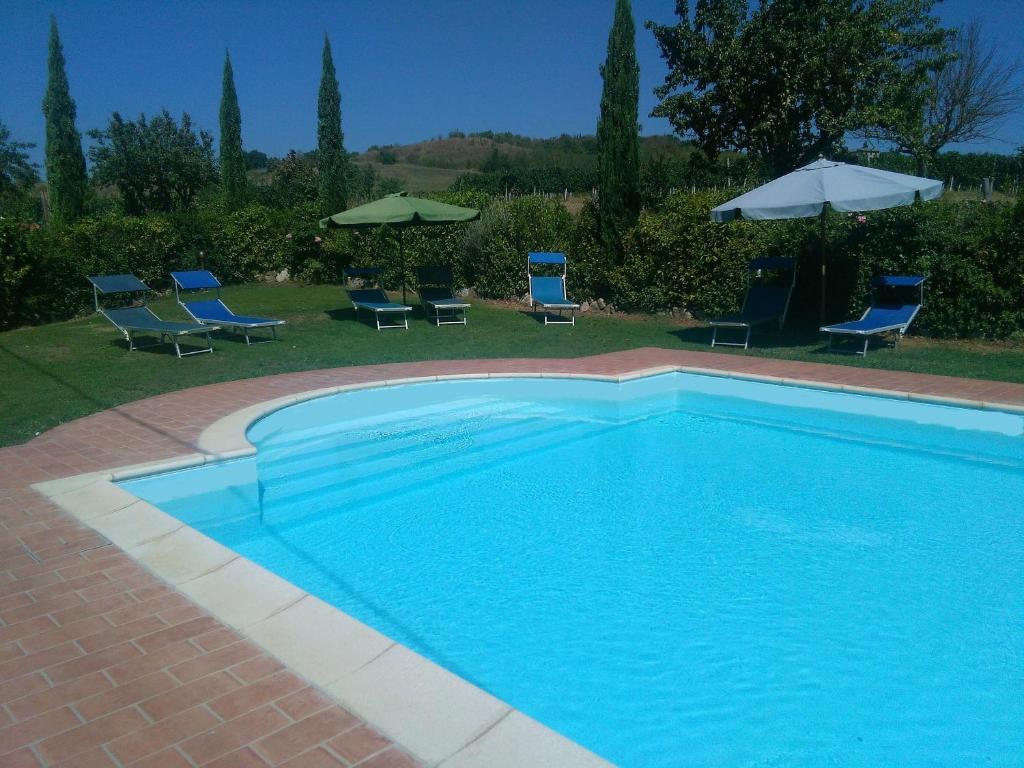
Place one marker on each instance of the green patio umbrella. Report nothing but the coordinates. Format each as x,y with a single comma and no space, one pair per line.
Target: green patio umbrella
400,211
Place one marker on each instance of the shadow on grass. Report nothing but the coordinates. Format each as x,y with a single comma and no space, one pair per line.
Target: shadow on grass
97,404
805,339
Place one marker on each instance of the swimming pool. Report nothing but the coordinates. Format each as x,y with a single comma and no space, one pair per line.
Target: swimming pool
677,570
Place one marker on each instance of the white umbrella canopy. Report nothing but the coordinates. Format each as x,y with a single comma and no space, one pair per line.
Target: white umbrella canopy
823,184
843,187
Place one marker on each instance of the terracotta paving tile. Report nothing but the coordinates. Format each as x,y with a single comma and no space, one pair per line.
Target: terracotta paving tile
134,746
31,662
151,662
305,734
137,690
113,635
26,628
22,686
92,758
242,758
47,724
148,608
108,657
358,743
256,669
303,703
23,758
216,660
218,638
187,696
58,603
264,691
234,735
59,635
51,698
315,758
179,632
10,651
168,758
84,737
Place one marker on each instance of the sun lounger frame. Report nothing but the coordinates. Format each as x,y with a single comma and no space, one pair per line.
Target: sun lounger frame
897,330
202,280
386,307
130,284
547,306
754,268
434,286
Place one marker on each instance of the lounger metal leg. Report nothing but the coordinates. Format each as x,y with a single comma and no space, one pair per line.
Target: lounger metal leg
714,335
746,341
866,340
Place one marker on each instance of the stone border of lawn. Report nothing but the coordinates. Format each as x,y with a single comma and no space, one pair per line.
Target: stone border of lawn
434,714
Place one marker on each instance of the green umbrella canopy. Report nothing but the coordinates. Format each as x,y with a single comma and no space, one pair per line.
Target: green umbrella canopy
400,210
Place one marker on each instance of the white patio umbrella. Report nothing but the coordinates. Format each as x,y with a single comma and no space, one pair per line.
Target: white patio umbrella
823,184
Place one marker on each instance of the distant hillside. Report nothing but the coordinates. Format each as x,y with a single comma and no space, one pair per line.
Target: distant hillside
488,150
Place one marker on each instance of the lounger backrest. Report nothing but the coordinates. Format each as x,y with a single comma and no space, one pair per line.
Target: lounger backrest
438,276
215,309
770,299
196,280
130,317
367,296
767,300
547,289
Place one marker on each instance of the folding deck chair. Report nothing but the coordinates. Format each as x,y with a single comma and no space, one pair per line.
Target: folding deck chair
548,292
434,286
215,311
765,302
140,319
881,318
374,300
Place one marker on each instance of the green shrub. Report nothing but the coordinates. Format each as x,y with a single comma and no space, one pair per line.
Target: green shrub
496,246
248,243
677,257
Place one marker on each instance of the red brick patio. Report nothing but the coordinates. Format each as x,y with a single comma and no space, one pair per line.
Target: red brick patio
101,664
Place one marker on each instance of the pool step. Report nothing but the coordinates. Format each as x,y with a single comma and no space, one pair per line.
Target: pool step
297,443
353,485
433,439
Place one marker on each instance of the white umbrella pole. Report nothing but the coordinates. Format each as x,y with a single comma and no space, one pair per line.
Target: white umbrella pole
821,247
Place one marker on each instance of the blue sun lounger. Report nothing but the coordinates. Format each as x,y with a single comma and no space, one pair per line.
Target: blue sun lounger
548,292
434,286
374,300
139,319
215,311
881,318
764,302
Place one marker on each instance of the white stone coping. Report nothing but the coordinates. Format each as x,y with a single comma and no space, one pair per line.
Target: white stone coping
434,714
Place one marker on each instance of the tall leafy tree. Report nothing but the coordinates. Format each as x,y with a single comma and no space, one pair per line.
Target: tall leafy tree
65,162
786,80
331,159
158,165
618,132
232,158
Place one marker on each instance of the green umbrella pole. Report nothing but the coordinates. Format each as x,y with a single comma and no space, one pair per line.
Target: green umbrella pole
401,259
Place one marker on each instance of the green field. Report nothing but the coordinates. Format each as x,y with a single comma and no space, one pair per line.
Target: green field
55,373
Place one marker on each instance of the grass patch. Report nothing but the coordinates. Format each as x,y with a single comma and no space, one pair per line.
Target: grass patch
54,373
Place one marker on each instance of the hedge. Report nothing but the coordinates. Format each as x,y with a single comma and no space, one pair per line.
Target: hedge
675,257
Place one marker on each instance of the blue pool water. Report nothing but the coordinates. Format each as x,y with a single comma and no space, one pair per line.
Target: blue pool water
675,571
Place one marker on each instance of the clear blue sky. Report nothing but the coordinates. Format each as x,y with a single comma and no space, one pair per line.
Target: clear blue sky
409,70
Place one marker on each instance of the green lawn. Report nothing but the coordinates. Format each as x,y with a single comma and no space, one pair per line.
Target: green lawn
55,373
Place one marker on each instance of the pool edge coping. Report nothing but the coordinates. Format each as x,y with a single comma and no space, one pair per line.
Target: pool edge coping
436,715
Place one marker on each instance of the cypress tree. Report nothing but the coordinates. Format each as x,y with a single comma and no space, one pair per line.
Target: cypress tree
618,132
232,160
65,162
330,148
